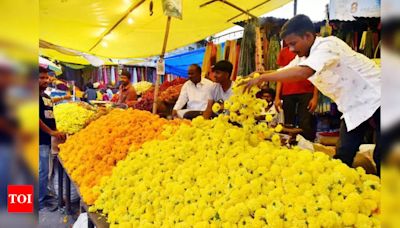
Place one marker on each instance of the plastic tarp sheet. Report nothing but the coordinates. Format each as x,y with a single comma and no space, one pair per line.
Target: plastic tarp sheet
80,24
179,64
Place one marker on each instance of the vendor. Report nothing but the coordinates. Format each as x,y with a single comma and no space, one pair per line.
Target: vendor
268,95
300,99
350,79
90,93
223,88
127,93
195,94
47,129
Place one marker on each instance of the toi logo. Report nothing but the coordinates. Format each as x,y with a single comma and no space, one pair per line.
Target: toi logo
20,198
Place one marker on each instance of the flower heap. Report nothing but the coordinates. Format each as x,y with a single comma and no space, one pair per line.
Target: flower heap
243,108
142,86
71,117
147,100
209,174
171,93
166,84
92,153
390,194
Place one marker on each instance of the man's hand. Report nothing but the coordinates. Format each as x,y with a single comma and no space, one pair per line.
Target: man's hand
174,114
278,104
58,135
312,105
251,83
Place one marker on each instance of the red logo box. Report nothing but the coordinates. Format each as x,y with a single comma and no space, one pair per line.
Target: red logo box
20,198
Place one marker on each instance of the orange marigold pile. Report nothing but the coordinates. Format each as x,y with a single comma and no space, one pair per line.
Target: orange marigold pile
92,153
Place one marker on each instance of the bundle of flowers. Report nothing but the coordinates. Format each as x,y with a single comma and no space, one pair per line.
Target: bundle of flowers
170,94
142,86
72,117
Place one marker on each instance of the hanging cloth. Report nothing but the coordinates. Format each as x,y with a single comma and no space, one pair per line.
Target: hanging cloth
227,49
265,44
258,55
99,75
112,75
219,52
367,43
236,60
206,60
104,74
363,40
107,79
233,58
246,59
135,75
273,52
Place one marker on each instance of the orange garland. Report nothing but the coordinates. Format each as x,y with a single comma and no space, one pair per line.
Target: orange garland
92,153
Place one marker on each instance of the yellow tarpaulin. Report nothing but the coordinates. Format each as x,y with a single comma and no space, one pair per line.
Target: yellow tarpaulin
80,24
53,54
76,59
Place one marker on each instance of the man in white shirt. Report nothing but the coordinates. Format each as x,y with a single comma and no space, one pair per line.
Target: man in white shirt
195,94
350,79
223,87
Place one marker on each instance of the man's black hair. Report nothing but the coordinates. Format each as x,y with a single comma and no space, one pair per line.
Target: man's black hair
270,91
198,68
126,73
223,65
89,85
43,70
298,25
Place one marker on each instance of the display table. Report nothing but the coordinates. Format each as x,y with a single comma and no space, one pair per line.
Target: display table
94,219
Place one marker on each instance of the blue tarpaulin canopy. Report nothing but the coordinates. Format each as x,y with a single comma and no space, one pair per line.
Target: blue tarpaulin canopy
179,64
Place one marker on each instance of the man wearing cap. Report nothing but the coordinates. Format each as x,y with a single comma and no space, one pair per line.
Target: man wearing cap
223,88
195,94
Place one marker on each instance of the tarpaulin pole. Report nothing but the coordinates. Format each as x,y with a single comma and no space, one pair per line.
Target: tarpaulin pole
162,58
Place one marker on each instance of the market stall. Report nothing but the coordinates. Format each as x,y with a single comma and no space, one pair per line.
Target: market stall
235,174
133,168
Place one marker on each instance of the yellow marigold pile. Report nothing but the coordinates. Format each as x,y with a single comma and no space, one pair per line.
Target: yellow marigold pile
92,153
209,174
141,87
71,117
244,107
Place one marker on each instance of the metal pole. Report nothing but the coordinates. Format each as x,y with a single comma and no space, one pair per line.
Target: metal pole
295,7
238,8
253,8
161,57
231,5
